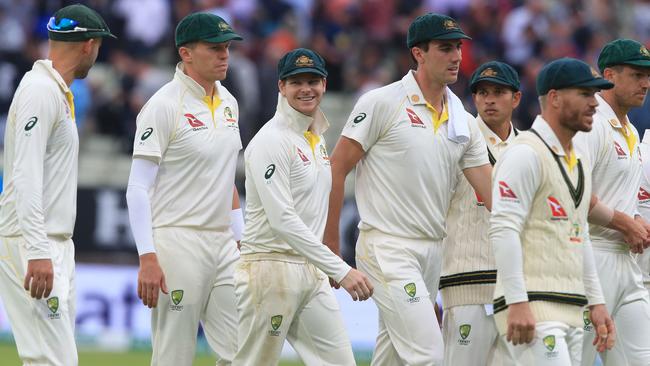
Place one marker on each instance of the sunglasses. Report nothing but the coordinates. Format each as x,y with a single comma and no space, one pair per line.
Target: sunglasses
66,25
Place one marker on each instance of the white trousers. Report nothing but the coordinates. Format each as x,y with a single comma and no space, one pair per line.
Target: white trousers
628,304
283,297
198,267
470,336
554,344
43,329
405,274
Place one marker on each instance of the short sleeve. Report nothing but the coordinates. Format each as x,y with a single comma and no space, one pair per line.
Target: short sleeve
155,127
368,121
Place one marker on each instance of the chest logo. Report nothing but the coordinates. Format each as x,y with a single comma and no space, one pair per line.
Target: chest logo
506,192
619,150
230,118
557,211
643,195
194,122
303,157
415,120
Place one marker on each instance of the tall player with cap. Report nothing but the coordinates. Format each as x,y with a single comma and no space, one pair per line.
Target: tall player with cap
468,268
180,196
282,283
409,140
617,229
539,231
38,203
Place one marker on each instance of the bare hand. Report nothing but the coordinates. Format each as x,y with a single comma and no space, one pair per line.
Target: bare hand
604,326
633,231
357,285
521,323
334,284
151,280
646,225
39,278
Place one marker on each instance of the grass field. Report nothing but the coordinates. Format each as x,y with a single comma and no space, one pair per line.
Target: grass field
9,357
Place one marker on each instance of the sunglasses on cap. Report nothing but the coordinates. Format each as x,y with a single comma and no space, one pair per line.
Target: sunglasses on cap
66,25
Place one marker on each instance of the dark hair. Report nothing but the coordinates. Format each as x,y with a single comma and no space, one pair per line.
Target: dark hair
424,46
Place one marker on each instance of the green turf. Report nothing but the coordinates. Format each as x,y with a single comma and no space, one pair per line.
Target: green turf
9,357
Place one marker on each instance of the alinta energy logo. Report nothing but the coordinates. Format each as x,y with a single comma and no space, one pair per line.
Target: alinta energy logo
411,291
276,322
464,331
53,305
177,298
195,123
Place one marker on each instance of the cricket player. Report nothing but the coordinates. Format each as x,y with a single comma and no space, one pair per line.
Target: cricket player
39,198
643,197
180,196
282,284
409,140
468,269
539,231
616,225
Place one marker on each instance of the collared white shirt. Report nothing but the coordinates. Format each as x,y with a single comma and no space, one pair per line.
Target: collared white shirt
39,197
403,181
616,173
197,151
288,183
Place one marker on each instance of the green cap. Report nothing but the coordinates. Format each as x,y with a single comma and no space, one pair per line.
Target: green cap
300,61
623,52
569,73
77,23
204,27
495,72
433,26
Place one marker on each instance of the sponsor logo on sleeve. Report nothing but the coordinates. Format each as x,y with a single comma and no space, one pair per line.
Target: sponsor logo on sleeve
146,134
506,193
269,171
31,123
359,118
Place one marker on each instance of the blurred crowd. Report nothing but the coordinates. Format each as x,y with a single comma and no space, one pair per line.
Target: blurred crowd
363,42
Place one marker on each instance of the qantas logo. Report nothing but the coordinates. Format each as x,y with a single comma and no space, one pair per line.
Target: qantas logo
415,120
479,199
643,195
556,209
194,122
303,157
505,191
619,150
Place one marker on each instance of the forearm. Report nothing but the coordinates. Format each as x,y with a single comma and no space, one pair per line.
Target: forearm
509,261
337,193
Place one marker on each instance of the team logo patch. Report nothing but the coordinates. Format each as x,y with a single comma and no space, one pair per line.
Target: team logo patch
194,122
276,322
505,192
360,117
53,304
644,51
227,112
323,154
269,171
619,151
549,342
464,331
587,320
304,61
594,72
449,24
411,291
488,73
576,234
643,195
415,120
31,123
557,211
177,298
303,157
223,26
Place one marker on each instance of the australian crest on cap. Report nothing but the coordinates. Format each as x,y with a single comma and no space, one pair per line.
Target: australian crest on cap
449,24
644,51
594,73
304,61
223,26
488,73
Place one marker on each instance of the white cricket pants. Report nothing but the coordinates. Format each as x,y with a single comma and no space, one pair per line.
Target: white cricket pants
43,329
405,274
198,267
282,296
628,304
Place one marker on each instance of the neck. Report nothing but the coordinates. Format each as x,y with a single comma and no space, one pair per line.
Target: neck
619,110
563,134
64,65
207,85
501,129
432,91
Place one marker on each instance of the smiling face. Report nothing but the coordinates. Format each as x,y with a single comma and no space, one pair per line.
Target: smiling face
441,61
495,102
303,92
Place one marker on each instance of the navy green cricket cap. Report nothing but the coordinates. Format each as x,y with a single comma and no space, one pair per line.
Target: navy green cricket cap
569,73
623,52
495,72
432,26
77,23
204,27
300,61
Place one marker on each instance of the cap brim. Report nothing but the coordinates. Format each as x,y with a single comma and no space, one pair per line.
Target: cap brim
452,35
303,70
594,83
640,63
223,38
473,86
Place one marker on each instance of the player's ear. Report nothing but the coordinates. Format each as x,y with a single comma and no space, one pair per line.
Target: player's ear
281,86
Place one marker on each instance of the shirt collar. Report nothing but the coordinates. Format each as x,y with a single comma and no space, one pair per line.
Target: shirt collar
542,127
491,137
301,122
646,137
46,65
195,88
412,88
608,113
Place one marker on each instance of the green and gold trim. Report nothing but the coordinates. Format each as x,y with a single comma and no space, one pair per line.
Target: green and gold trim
558,297
469,278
